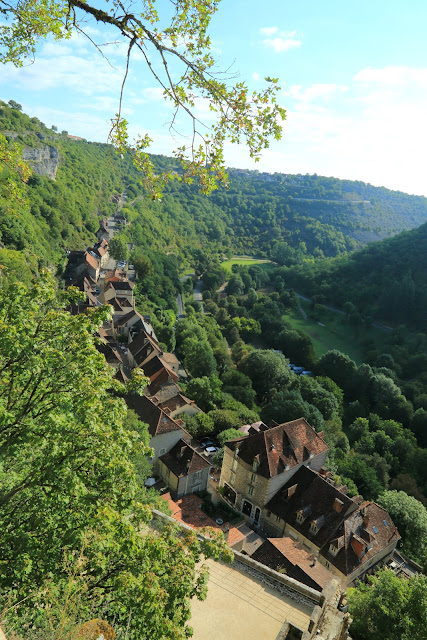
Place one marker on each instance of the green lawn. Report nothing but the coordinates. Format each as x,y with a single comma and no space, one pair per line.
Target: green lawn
245,262
336,334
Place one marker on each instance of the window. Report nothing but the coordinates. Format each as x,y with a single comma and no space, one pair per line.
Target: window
385,523
162,452
250,490
375,529
277,518
255,465
268,514
246,508
196,477
253,478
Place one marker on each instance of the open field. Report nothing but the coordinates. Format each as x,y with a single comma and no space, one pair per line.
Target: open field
336,334
245,261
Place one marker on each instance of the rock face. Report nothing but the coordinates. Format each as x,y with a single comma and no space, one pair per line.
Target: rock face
44,160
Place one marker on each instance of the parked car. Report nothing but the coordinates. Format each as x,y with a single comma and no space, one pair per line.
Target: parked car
306,373
211,450
298,369
205,442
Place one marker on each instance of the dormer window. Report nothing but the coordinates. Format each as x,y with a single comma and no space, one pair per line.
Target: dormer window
317,524
236,452
302,514
255,465
333,549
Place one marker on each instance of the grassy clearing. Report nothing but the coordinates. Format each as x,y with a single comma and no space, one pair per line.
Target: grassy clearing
245,262
336,334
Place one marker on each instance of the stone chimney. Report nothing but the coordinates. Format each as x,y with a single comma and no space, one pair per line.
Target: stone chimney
338,505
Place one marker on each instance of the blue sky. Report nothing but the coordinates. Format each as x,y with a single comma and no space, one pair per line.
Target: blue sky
353,79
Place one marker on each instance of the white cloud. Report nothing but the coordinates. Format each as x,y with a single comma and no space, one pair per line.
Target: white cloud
256,76
316,91
83,75
372,130
284,41
394,76
268,31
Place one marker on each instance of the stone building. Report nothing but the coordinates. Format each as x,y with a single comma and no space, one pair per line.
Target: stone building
255,467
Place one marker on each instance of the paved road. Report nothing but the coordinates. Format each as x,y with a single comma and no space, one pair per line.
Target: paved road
180,304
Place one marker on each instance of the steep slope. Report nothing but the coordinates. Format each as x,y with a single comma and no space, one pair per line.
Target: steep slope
275,216
385,280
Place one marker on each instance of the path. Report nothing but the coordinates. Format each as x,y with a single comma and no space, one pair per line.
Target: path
197,295
377,325
180,305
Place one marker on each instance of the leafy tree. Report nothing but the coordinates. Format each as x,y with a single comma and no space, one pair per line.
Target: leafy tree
143,266
410,517
235,285
228,434
198,425
388,604
337,366
224,419
14,105
199,359
239,386
268,371
289,405
205,391
247,327
419,426
161,37
68,479
118,248
354,466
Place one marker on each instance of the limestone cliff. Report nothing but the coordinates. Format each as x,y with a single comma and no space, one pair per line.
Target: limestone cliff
44,160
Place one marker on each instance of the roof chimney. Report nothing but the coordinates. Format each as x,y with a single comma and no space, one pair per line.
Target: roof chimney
338,505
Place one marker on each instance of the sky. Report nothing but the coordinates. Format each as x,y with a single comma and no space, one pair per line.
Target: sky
353,78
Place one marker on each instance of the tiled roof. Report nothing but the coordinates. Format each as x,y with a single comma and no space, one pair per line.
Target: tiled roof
140,342
154,366
170,359
91,260
111,354
318,500
158,421
124,319
299,564
123,285
362,535
183,460
281,447
176,402
163,379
